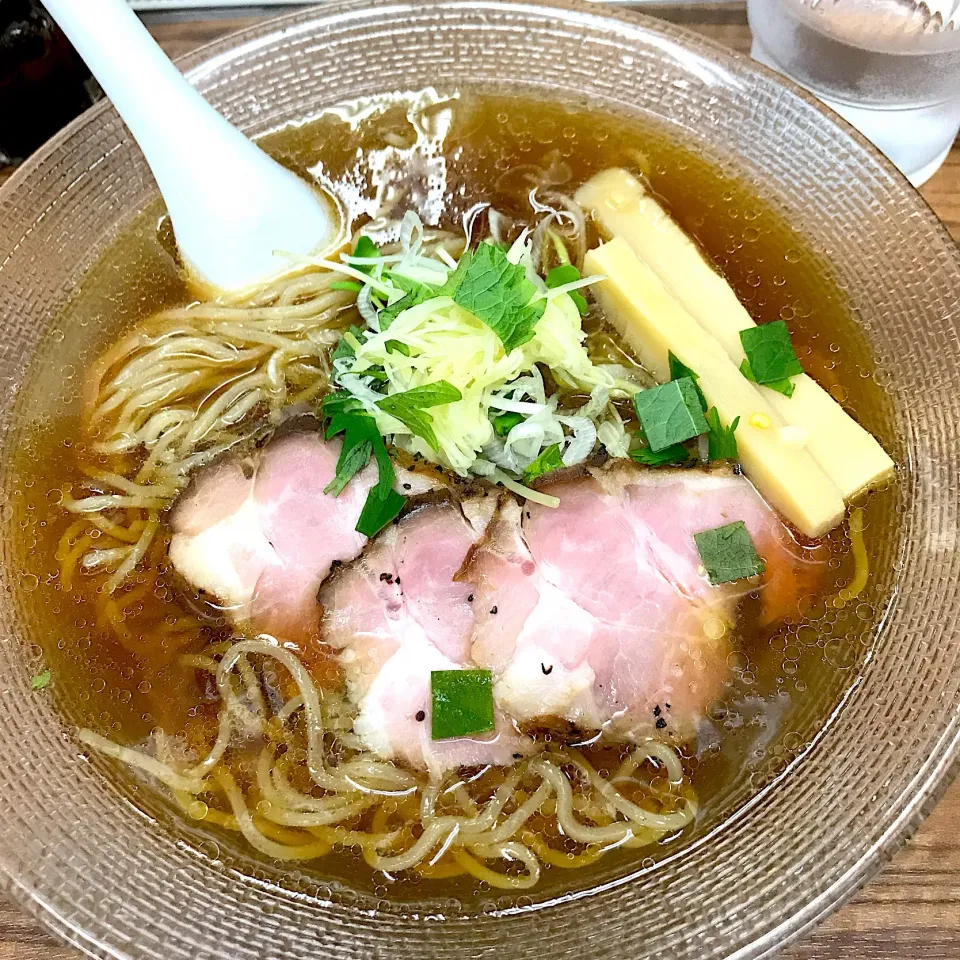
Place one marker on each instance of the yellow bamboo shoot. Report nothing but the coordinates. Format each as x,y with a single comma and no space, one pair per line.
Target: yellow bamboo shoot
654,324
852,458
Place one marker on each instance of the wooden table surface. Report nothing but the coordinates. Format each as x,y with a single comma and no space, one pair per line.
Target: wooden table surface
911,911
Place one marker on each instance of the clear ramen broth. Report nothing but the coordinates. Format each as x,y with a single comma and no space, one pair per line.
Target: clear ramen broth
122,674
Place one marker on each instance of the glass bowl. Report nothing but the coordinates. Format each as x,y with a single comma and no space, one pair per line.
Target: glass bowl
117,883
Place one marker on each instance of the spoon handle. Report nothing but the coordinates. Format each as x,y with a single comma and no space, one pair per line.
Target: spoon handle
230,204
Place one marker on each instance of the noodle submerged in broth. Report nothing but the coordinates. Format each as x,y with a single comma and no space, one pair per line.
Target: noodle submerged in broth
263,733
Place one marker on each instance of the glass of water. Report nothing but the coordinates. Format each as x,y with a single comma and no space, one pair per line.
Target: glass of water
889,67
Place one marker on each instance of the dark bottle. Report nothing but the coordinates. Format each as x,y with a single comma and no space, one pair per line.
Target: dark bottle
43,82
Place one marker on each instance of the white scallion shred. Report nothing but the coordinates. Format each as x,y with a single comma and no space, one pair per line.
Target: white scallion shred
446,342
366,309
545,499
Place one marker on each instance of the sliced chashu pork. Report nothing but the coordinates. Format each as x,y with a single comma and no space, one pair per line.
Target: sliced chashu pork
599,612
400,612
259,534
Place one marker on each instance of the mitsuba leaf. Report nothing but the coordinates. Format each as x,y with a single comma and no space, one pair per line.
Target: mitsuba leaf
673,455
409,407
721,441
361,439
414,293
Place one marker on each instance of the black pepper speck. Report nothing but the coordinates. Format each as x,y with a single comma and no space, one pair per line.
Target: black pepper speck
493,610
657,711
661,723
470,598
546,670
421,716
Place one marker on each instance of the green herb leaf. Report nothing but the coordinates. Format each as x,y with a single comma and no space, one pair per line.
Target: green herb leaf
781,386
408,407
365,248
670,413
567,273
344,349
378,511
728,553
770,352
675,454
361,438
350,285
41,680
721,441
548,461
497,292
415,293
354,456
336,408
679,370
360,434
505,422
462,703
395,346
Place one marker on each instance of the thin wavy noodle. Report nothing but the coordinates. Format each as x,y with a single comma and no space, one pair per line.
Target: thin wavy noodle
490,826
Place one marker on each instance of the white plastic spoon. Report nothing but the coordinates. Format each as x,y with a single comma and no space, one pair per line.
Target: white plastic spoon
230,204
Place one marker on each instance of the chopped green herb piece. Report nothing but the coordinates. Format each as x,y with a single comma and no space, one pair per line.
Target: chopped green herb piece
781,386
408,407
365,248
670,413
670,456
567,273
770,352
462,703
579,301
721,441
505,422
562,255
414,292
679,370
41,680
497,292
350,285
728,553
548,461
396,346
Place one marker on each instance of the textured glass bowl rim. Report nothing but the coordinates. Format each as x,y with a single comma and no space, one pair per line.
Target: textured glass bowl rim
935,779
